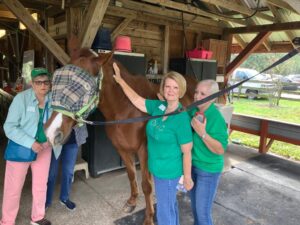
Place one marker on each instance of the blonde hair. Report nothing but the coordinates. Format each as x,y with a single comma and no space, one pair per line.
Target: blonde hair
178,78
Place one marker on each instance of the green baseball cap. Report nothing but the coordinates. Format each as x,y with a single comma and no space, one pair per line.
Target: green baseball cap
39,71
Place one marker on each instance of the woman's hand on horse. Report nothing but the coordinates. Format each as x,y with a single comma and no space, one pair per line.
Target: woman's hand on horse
117,74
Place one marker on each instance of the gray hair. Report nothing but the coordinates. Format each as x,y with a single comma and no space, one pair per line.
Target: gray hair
213,85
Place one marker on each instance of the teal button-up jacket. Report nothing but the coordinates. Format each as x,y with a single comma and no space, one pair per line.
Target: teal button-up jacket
22,120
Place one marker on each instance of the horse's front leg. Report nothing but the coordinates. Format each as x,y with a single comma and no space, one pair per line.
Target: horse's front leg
146,185
128,159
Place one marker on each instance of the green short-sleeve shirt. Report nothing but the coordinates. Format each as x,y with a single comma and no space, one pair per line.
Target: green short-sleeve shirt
202,157
165,138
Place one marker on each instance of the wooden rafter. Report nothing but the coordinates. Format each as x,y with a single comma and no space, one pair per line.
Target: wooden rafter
168,13
94,19
24,16
176,23
238,8
282,4
240,41
275,48
261,28
121,27
266,43
192,9
295,4
279,18
254,21
44,2
7,14
259,39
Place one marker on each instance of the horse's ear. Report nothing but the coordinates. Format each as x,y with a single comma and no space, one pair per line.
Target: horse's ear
105,57
74,47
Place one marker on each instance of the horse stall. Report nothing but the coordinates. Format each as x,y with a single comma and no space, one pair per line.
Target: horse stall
148,38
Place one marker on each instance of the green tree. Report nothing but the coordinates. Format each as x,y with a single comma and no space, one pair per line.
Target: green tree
260,61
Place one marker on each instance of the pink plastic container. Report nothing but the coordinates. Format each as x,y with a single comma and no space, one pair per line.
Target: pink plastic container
199,54
123,44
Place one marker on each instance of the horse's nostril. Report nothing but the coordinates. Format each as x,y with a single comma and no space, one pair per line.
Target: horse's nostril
58,138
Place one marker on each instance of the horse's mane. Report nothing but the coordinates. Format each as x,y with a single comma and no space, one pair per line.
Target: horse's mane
140,84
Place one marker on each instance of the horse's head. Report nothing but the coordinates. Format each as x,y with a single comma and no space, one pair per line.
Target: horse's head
59,125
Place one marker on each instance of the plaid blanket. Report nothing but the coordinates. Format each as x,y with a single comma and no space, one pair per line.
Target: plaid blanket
73,88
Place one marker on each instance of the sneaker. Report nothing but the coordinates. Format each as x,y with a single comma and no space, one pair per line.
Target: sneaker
41,222
68,204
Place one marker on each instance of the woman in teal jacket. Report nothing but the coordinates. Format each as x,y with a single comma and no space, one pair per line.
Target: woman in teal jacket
24,125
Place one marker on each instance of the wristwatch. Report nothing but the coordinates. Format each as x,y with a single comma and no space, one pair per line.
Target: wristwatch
203,136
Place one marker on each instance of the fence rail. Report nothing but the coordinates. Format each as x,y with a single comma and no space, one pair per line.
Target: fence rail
266,129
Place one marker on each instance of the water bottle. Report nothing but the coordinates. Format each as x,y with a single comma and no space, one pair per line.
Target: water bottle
180,186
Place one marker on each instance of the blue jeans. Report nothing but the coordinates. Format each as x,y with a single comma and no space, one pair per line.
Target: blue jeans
68,158
203,194
167,206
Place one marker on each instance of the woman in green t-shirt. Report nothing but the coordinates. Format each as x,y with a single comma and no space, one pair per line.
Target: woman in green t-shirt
210,141
169,141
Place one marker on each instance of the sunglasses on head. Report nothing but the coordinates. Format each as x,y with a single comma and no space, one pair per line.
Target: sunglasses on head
40,82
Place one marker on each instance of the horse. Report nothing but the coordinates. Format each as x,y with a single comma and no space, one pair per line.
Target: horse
128,139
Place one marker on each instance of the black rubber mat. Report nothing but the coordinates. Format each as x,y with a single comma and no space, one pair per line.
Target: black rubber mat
264,190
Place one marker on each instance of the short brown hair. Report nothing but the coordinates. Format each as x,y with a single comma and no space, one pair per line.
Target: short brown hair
179,79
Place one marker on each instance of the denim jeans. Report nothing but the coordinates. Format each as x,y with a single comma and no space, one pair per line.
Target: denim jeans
203,194
68,158
167,206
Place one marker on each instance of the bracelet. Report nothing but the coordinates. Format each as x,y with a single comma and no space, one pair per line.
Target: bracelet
203,136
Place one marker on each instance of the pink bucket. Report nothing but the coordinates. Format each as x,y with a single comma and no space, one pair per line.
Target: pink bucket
123,44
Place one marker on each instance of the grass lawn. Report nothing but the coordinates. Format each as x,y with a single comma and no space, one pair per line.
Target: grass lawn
288,111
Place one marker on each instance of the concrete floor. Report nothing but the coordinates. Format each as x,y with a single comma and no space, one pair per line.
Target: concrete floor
100,200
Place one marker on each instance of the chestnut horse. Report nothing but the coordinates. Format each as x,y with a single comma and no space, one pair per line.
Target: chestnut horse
128,139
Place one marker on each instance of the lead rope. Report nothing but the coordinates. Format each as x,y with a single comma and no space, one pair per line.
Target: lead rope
195,104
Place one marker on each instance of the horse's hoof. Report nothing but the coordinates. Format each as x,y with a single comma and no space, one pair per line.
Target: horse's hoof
128,208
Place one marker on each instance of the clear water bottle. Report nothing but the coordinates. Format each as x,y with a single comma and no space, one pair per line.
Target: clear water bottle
180,186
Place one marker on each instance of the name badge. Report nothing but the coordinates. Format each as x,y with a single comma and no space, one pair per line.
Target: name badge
30,109
162,107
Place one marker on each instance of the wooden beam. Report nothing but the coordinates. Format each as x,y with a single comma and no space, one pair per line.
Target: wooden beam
192,10
261,28
166,49
240,41
275,48
280,18
266,43
24,16
247,51
7,14
295,4
282,4
263,136
44,2
74,18
168,13
120,27
162,20
94,19
238,8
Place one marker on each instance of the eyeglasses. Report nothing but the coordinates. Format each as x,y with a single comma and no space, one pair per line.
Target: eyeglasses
40,82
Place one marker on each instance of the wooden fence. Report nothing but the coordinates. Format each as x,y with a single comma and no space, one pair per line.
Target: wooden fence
266,129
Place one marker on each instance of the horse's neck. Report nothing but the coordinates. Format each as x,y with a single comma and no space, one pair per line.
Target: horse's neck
114,101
